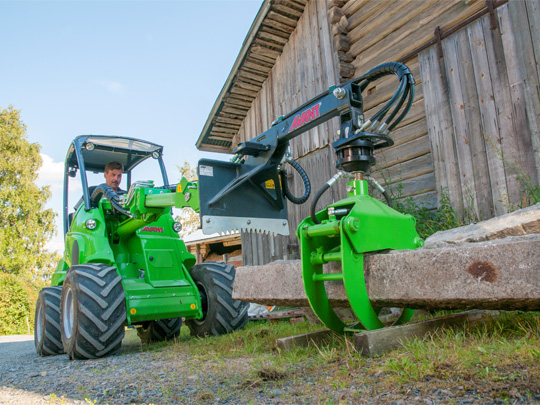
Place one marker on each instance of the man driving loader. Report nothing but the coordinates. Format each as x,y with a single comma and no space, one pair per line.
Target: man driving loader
113,175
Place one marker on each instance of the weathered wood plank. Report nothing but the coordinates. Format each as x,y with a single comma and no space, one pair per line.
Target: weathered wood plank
305,339
363,11
352,6
272,15
266,51
404,171
533,16
288,11
402,153
379,341
474,129
417,32
459,119
409,132
393,17
490,128
526,71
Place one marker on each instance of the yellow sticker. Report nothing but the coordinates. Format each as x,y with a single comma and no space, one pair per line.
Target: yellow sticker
193,306
269,184
133,311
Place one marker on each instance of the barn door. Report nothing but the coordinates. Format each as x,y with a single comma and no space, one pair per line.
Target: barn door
481,87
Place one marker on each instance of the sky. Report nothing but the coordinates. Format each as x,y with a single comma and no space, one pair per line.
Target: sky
143,69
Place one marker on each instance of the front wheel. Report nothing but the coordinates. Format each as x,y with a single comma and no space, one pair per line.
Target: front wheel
159,330
47,323
93,311
221,313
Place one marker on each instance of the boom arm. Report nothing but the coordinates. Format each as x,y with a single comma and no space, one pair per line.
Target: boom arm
247,193
146,204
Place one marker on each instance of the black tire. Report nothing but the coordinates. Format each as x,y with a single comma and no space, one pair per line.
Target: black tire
93,311
221,314
159,330
47,322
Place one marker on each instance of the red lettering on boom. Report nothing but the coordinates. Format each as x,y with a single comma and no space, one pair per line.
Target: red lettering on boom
305,117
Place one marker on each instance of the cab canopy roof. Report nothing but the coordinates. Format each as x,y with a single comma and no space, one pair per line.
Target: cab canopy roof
98,150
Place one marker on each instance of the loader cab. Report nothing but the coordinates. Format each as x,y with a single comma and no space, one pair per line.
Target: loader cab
88,155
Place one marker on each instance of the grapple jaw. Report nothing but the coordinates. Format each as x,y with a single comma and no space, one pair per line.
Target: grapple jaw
244,197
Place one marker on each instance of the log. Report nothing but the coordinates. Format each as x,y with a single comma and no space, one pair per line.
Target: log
334,15
492,274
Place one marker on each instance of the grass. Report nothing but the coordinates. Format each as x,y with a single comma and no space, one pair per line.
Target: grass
499,358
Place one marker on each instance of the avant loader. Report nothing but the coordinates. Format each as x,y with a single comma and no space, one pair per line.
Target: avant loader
124,263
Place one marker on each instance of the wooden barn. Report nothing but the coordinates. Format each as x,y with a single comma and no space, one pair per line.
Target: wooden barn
473,132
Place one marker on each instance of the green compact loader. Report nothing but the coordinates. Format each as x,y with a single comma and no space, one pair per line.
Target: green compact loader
124,263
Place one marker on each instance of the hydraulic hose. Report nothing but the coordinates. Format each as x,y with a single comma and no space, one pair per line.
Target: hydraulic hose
388,199
110,194
323,189
313,206
406,88
385,193
305,180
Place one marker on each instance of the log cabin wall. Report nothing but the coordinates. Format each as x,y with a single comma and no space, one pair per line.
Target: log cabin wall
481,88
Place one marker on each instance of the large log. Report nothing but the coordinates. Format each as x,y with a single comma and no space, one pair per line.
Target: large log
491,274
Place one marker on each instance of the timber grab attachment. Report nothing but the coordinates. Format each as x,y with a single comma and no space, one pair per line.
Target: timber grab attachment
249,192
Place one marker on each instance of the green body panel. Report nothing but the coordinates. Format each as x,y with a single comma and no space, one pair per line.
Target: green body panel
368,226
148,254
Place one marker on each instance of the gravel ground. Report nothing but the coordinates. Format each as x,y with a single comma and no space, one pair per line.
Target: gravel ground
163,375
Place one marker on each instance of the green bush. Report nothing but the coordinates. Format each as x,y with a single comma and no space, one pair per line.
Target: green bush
17,302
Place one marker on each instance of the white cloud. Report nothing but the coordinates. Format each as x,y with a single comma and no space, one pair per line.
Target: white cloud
51,173
112,86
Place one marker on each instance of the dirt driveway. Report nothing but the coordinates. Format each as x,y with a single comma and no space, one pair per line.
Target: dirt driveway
134,375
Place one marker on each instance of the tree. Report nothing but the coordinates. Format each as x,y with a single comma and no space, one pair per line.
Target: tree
188,218
25,225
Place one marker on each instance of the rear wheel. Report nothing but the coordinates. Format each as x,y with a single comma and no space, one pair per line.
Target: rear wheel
93,311
159,330
47,323
221,313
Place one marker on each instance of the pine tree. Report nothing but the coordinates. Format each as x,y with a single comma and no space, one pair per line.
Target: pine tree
25,225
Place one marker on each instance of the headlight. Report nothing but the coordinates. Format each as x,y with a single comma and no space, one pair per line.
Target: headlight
177,227
90,224
89,146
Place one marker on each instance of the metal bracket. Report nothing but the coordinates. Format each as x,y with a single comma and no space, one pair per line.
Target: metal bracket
491,9
438,37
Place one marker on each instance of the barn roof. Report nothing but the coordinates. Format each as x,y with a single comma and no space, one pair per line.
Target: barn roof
264,42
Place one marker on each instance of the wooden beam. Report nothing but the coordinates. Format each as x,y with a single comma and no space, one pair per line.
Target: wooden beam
379,341
305,339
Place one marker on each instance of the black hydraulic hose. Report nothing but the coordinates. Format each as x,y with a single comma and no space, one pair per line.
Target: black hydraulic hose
378,116
398,106
315,200
405,111
406,88
110,194
305,180
388,199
